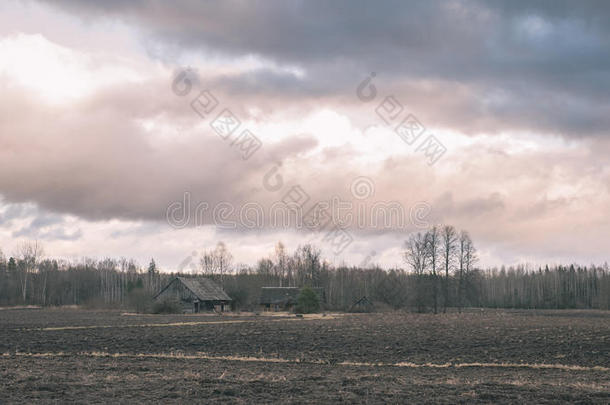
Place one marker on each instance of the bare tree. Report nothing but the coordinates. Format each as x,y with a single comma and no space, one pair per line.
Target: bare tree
264,267
280,262
29,254
449,248
466,258
307,259
152,279
207,263
111,280
433,245
223,259
415,255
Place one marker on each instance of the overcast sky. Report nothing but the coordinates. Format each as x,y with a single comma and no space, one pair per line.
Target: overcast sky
98,136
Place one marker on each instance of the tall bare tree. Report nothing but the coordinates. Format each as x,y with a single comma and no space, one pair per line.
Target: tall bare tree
224,259
467,257
152,279
449,247
415,255
281,262
433,247
29,254
207,263
264,267
307,259
217,261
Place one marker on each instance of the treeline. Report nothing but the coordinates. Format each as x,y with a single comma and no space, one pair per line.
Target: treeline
440,273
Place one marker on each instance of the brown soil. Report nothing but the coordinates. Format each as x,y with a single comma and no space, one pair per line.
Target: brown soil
480,356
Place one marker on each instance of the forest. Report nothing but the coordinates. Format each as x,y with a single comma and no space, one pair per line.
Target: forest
440,272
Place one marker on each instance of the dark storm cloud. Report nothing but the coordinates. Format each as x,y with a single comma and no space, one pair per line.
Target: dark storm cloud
538,54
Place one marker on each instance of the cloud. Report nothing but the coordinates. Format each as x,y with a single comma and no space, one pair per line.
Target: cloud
517,93
11,212
55,233
508,57
27,220
128,153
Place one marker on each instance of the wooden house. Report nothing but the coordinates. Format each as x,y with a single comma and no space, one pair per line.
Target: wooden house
284,298
195,294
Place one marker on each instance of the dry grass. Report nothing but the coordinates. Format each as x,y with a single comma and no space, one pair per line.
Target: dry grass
516,382
20,307
205,356
308,317
534,366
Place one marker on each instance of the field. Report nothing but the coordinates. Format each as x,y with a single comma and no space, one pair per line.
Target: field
72,355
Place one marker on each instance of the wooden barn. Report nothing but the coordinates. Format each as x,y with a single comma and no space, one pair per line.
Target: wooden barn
284,298
195,294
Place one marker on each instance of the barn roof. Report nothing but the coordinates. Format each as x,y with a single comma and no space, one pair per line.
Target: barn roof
285,295
204,288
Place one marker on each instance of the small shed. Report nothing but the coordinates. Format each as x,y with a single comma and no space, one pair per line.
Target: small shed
195,294
362,305
284,298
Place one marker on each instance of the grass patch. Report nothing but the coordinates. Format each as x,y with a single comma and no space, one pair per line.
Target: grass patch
206,356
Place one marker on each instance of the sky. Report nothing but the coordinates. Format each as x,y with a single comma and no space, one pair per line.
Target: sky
156,129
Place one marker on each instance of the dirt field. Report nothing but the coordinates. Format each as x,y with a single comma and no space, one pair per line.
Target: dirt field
481,356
